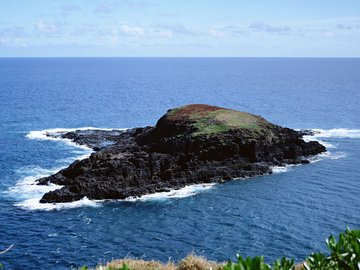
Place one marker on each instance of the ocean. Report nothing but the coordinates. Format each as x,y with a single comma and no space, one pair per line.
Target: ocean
290,212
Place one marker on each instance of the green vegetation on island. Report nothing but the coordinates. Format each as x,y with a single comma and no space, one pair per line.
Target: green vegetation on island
207,119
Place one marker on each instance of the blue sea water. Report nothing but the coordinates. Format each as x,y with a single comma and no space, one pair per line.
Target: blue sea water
290,212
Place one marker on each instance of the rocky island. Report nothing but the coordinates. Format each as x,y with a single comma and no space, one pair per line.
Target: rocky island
188,145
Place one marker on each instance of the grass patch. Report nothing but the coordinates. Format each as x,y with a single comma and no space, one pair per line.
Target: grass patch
225,120
191,262
206,119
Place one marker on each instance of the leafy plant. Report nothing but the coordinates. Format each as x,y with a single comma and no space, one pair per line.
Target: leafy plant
256,263
318,261
284,264
344,253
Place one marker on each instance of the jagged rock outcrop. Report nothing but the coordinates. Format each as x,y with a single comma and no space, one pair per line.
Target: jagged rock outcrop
189,145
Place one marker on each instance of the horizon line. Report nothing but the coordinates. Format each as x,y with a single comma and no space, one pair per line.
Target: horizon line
299,57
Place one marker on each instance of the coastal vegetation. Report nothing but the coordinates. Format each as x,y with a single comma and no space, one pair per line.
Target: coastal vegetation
206,120
343,254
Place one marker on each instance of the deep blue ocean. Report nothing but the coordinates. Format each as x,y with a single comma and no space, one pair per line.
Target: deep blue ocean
290,212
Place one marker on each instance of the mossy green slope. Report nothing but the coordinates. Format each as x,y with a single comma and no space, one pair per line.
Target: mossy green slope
207,119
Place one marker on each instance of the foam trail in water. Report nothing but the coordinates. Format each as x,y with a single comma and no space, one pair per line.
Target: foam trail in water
338,133
175,193
333,133
280,169
47,134
34,204
327,155
27,193
324,134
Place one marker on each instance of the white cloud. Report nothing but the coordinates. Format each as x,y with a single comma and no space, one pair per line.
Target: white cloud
161,33
114,38
132,30
46,28
341,26
177,29
67,9
13,32
14,42
261,26
216,33
328,34
105,8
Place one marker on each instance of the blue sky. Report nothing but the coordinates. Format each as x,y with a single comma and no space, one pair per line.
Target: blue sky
270,28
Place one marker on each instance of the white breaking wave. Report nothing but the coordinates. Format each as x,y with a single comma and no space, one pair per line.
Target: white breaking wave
34,204
314,159
322,135
28,194
184,192
336,133
327,155
46,134
280,169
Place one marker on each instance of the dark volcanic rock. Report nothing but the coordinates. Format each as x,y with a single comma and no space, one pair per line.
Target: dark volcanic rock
189,145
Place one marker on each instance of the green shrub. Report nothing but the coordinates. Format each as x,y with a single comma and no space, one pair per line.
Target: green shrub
258,263
283,264
344,253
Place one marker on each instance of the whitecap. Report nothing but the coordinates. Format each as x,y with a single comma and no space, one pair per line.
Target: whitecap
279,169
324,143
335,133
327,155
184,192
34,204
53,134
27,193
323,136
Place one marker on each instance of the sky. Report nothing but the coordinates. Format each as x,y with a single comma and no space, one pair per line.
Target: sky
180,28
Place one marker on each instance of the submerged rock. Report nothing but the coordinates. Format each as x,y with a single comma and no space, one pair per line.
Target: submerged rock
189,145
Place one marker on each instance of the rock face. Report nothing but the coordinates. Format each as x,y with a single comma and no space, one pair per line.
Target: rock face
189,145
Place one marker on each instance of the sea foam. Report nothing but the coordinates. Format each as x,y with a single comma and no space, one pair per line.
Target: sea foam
322,136
48,134
184,192
27,193
334,133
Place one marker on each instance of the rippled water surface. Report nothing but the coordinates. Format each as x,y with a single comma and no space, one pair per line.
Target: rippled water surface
290,212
